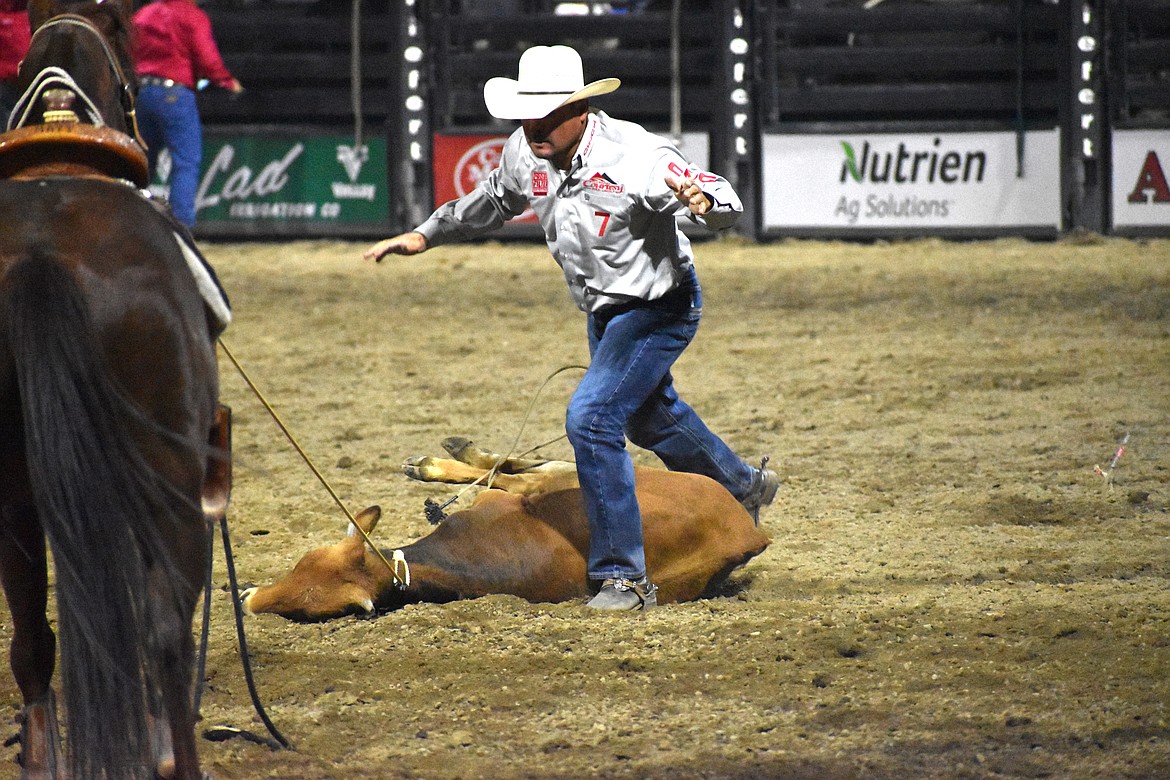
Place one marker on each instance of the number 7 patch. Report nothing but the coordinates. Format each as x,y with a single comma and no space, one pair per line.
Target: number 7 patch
605,215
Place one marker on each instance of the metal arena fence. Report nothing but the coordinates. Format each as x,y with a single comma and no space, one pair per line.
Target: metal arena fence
833,118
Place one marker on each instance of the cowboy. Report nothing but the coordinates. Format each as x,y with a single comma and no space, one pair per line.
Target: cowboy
606,193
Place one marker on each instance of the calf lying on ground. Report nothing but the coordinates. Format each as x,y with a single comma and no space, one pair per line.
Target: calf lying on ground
527,536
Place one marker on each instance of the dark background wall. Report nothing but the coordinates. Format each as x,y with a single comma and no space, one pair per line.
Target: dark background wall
808,66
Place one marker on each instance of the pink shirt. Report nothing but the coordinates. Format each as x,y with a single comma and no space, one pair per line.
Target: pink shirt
173,40
14,37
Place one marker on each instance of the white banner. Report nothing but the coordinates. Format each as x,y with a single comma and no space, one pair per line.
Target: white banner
1141,164
918,181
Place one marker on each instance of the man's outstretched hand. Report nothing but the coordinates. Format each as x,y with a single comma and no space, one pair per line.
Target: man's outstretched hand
411,243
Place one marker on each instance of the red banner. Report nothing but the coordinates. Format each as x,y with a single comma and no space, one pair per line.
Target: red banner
462,161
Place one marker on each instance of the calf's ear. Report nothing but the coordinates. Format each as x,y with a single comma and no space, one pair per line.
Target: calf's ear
367,519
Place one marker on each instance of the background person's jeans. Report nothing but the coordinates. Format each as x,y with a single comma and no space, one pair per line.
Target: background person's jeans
168,118
628,390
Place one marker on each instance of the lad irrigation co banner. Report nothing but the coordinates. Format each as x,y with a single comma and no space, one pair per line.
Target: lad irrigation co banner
287,182
886,182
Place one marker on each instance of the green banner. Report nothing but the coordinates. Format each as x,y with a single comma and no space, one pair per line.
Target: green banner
265,177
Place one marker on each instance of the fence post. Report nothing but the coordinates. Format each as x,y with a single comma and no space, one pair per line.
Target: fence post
734,139
1086,139
408,122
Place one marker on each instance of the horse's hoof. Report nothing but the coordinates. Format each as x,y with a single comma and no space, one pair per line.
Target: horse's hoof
40,740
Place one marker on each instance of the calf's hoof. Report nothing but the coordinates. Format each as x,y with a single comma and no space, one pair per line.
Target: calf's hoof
422,468
456,446
465,451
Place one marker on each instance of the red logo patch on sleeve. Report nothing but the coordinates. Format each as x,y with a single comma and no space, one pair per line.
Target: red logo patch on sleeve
540,182
695,174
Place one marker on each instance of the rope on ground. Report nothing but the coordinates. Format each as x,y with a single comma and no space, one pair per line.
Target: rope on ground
398,579
435,513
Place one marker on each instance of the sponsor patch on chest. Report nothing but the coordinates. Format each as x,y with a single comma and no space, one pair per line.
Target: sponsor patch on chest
540,182
601,182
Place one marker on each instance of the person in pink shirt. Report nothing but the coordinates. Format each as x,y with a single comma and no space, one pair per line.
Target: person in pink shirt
173,50
14,39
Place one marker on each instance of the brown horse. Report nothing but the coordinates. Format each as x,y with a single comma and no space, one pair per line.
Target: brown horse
108,397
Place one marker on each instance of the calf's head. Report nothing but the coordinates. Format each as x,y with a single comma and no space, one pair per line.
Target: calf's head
326,583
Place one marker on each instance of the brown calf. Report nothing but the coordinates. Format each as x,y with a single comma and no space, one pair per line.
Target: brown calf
527,537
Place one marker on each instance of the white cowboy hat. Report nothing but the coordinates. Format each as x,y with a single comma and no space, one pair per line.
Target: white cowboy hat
550,77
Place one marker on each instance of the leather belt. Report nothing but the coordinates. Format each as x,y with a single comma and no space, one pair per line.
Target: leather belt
157,81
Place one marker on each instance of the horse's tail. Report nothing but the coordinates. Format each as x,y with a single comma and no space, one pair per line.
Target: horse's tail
97,501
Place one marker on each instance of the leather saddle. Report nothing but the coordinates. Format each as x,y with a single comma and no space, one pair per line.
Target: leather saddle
71,149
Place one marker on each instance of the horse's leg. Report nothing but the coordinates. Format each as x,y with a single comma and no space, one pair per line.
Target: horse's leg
24,574
174,647
160,739
215,494
175,753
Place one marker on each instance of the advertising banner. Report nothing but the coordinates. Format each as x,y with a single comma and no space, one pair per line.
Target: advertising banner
922,181
1141,192
287,180
462,161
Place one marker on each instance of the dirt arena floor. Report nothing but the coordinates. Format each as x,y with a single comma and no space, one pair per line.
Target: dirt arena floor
952,591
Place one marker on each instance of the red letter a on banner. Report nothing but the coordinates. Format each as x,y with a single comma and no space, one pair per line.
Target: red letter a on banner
1151,178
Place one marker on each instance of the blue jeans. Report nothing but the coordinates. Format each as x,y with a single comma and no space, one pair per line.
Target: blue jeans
169,118
628,391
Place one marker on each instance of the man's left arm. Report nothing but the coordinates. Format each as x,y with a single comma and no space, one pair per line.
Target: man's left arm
709,198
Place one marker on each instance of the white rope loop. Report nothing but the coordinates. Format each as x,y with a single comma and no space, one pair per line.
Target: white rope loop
50,78
401,569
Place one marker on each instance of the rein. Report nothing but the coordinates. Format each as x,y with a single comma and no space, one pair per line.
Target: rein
76,20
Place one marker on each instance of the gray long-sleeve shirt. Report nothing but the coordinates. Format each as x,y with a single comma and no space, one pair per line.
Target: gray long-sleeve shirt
609,221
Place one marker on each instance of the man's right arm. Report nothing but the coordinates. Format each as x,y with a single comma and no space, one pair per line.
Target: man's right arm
488,206
411,243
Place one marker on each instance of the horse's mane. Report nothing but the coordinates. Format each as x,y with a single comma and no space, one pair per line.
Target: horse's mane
119,15
112,17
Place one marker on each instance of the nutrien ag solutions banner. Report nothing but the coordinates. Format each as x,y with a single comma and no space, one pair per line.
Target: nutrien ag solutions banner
920,181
